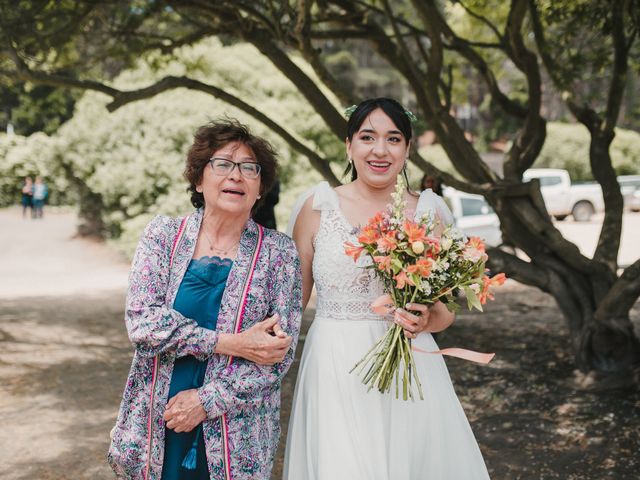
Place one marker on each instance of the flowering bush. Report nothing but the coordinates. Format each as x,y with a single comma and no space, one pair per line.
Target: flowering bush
416,265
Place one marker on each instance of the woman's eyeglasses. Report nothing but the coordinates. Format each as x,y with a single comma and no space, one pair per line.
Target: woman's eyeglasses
223,167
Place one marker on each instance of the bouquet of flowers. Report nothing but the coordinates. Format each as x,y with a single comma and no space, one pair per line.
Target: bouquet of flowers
415,266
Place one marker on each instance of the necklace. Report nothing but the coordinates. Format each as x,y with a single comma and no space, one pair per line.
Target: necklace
222,251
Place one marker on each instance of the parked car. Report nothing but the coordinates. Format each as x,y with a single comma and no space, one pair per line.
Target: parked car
630,188
473,216
562,198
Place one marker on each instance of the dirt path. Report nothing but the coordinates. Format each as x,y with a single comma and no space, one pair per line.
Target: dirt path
64,356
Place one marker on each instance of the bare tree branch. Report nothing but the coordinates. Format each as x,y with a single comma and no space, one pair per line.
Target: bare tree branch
447,129
623,294
303,30
518,269
307,87
484,20
530,139
121,98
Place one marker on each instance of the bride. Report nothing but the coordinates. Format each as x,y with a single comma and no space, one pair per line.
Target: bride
338,430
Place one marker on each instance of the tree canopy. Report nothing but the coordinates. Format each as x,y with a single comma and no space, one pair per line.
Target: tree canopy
585,49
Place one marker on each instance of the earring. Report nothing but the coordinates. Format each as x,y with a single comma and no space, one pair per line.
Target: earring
259,197
351,160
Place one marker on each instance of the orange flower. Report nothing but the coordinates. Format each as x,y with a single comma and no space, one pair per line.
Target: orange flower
422,267
377,220
383,262
487,283
402,279
387,242
353,250
474,250
433,248
369,234
415,232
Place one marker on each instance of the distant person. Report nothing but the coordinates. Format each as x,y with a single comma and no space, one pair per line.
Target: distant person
27,196
265,215
40,192
432,182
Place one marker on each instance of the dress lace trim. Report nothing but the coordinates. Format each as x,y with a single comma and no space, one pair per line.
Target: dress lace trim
213,260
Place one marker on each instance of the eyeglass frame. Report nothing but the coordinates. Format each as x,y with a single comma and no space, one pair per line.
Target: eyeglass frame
235,164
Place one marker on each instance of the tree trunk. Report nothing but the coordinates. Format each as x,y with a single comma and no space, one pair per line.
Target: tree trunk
602,339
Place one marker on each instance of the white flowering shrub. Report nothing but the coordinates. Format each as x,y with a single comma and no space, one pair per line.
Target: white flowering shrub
126,166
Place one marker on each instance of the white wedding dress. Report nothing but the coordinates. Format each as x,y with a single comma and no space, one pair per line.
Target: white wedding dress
338,430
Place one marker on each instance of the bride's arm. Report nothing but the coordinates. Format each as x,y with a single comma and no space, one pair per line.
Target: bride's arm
304,232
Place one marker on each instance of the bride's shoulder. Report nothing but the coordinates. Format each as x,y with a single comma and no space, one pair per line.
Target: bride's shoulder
430,202
309,205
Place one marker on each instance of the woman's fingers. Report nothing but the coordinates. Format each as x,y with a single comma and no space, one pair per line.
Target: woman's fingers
272,324
279,332
185,413
417,307
413,324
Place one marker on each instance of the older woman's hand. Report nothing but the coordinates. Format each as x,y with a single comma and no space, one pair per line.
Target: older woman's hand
264,343
433,318
184,411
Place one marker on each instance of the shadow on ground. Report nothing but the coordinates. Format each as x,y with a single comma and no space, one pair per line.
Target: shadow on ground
63,364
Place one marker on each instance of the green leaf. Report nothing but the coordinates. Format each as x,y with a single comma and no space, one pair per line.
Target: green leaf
472,299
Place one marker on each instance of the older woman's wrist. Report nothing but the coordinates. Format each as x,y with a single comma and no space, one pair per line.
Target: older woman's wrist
229,344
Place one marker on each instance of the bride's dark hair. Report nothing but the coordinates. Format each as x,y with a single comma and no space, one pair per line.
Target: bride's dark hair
396,112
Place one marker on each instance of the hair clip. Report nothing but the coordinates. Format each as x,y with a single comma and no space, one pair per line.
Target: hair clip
349,111
412,117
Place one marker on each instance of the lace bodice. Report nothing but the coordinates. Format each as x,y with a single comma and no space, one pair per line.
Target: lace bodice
345,289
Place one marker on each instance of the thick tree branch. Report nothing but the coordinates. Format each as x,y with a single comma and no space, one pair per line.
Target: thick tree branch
447,178
464,48
584,114
461,153
601,163
530,139
121,98
622,295
403,49
518,269
302,33
321,104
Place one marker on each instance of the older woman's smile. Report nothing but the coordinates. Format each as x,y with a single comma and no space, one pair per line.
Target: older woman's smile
234,191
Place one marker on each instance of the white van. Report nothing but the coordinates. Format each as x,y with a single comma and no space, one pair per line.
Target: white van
474,216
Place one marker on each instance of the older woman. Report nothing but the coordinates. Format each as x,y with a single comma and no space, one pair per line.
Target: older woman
210,299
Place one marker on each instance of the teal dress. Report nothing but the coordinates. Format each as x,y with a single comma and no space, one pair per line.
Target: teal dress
198,298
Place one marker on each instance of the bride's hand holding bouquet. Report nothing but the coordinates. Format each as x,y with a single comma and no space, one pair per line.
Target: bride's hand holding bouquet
418,269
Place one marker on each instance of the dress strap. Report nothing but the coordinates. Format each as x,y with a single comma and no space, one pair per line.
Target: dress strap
324,198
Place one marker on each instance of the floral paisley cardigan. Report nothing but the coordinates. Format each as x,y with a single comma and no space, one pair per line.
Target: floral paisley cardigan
242,399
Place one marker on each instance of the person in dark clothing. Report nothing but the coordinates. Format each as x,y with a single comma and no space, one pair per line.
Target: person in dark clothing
432,182
265,214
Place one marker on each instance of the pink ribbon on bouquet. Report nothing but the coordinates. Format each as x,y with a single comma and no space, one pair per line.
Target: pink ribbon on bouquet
383,305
